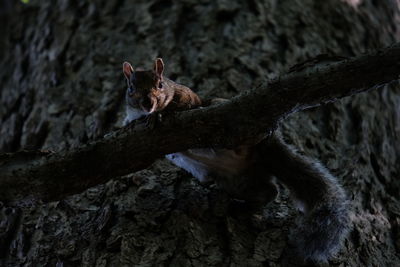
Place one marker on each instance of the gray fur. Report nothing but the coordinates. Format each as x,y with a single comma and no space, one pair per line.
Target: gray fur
320,231
324,223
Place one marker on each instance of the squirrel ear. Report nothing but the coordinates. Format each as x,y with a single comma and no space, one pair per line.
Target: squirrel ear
127,69
159,66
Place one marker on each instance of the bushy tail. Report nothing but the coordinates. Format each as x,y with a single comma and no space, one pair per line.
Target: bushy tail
317,194
319,234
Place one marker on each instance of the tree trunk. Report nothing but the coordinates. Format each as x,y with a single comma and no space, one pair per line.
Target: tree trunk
62,86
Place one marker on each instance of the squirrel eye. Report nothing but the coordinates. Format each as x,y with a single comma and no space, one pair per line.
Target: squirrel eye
160,85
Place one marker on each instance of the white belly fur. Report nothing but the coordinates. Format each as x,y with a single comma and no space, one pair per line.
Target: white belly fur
133,114
196,168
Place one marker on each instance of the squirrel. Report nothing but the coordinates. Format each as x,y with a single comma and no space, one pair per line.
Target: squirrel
247,172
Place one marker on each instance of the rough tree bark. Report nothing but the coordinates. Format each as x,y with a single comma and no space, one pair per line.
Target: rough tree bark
62,86
53,176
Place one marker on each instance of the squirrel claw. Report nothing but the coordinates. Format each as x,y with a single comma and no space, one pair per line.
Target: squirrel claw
153,119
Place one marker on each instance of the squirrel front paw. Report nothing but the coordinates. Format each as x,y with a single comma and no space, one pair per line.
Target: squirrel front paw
153,119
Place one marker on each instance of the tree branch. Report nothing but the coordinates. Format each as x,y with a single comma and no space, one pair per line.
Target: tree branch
52,176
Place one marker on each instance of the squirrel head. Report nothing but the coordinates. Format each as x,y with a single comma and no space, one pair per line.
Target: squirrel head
145,88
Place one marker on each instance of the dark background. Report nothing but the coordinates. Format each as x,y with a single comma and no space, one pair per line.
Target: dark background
61,85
